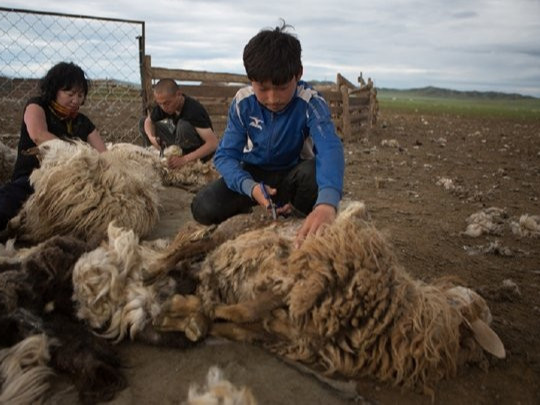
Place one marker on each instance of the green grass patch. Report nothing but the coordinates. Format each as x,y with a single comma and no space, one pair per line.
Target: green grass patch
409,101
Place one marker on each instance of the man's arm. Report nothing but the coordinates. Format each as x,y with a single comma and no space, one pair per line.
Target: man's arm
150,129
209,146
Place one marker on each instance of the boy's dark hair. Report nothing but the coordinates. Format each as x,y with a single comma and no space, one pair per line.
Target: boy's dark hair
273,54
62,76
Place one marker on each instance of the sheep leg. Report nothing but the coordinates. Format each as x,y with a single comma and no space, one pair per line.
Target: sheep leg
246,333
250,310
195,326
183,313
194,240
183,305
190,242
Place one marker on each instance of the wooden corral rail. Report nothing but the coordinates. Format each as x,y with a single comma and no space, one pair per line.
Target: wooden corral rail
351,107
360,105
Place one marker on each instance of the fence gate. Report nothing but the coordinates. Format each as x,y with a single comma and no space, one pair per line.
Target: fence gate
109,51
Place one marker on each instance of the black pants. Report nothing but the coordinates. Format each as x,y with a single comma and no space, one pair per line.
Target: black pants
182,134
12,197
216,202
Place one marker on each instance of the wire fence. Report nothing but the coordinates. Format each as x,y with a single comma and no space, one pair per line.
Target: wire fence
108,50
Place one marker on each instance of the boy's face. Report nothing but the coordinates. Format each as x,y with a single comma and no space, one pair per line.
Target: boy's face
273,97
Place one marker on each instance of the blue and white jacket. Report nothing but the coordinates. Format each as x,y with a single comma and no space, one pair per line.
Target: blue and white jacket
277,141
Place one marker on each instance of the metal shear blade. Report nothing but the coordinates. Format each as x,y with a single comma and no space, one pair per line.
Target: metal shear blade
270,206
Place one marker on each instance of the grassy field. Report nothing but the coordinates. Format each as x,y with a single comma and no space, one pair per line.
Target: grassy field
455,104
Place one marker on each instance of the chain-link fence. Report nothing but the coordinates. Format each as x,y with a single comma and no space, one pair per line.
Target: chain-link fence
108,50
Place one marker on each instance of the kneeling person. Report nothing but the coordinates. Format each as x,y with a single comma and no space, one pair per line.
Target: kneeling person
280,144
178,119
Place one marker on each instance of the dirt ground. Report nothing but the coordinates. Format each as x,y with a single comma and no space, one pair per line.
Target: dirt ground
400,169
421,177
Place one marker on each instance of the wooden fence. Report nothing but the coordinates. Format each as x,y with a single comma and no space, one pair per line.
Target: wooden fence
353,108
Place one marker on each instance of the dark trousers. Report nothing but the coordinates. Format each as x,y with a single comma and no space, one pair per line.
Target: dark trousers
182,134
216,202
12,197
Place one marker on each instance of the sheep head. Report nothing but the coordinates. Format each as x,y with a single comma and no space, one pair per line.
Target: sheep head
476,317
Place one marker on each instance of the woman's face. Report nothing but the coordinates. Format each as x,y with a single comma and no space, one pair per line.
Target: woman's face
71,99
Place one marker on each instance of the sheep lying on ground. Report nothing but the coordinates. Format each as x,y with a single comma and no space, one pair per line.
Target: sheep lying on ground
7,162
78,191
192,176
341,303
35,299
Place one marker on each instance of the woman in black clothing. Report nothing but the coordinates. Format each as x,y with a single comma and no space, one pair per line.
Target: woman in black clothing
53,114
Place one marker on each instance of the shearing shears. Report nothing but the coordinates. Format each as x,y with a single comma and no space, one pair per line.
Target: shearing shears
162,146
271,206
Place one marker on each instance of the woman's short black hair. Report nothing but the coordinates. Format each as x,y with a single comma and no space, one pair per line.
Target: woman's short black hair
273,54
62,76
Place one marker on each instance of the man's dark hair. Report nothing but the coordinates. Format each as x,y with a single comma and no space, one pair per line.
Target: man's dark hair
62,76
166,86
273,54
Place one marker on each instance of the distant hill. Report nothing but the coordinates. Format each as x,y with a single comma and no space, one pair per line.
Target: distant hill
431,91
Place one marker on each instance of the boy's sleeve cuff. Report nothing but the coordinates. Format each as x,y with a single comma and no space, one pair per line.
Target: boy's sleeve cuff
247,186
329,196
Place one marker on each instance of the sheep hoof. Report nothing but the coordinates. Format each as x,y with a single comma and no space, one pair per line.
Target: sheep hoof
197,327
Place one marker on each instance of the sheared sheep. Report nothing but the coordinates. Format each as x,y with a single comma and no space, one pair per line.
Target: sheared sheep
341,303
78,191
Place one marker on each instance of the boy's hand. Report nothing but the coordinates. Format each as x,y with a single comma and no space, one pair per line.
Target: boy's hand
321,214
258,195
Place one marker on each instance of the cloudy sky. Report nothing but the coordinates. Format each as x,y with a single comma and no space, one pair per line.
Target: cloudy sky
463,44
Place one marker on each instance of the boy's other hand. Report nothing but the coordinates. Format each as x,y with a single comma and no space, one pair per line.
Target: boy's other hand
321,214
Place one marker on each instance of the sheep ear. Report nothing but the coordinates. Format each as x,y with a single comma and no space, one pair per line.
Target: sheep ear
487,338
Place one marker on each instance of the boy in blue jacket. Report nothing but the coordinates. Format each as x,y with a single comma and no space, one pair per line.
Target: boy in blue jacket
280,143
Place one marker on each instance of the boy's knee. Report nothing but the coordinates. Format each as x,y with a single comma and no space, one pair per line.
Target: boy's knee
202,211
306,170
